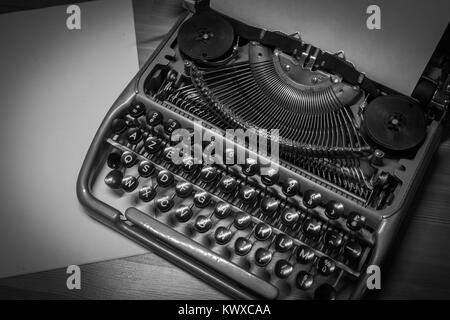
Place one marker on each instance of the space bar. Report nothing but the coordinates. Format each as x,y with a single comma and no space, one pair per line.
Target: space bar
208,258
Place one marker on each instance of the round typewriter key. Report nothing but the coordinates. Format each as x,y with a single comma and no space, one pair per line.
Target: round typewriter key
129,183
202,199
251,167
270,177
325,292
118,126
352,250
334,210
223,235
227,184
222,210
128,159
171,125
188,165
305,254
355,221
283,243
152,145
242,246
183,213
326,266
136,110
263,256
154,118
333,239
312,228
312,199
164,178
134,136
289,218
283,269
146,168
208,174
184,189
114,160
169,153
147,193
242,220
304,280
262,231
269,206
114,179
203,223
247,194
291,187
165,203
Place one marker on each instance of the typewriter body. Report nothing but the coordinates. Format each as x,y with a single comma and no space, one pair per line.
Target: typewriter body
350,157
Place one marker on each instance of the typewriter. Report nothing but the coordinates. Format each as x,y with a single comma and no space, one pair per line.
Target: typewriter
303,217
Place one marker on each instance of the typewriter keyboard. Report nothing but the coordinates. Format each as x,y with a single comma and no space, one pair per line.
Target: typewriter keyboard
266,233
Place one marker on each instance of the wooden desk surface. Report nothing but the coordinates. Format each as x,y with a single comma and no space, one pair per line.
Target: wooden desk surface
420,268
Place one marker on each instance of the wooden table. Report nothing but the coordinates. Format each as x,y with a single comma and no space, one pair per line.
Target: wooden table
420,268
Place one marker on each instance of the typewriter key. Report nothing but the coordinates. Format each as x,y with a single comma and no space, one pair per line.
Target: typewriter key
304,280
283,243
184,189
305,254
114,160
202,199
269,206
312,199
128,159
134,136
333,239
291,187
326,266
247,194
262,231
289,218
208,174
325,292
188,165
203,223
129,183
242,220
355,221
251,167
334,210
165,203
152,145
147,193
118,126
146,168
263,257
136,110
283,269
171,125
242,246
168,154
222,210
154,118
312,228
227,184
271,177
114,179
352,250
164,178
183,213
223,235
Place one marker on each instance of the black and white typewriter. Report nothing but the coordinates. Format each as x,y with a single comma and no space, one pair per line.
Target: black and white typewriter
265,166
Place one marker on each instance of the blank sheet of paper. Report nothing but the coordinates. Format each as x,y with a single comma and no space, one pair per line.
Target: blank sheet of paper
395,55
56,87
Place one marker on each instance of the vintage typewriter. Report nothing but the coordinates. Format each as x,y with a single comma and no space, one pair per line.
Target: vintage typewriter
303,220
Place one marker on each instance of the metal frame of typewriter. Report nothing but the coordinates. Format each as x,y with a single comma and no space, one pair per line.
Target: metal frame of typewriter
385,222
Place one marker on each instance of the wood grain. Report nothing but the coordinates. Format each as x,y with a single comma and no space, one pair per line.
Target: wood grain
419,269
